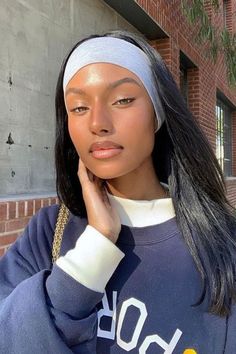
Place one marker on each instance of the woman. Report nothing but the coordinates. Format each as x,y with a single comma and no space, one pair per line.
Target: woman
147,259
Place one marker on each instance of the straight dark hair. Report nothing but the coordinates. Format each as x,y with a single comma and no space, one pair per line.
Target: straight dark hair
183,158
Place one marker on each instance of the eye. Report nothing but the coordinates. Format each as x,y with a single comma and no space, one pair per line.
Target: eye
124,101
80,109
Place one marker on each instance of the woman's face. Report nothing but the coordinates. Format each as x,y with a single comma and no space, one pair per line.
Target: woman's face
110,119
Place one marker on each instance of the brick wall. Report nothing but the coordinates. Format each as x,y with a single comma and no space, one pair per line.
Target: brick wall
163,47
207,77
14,215
194,91
169,17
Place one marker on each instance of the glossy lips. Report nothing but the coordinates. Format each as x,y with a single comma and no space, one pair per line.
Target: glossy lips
105,149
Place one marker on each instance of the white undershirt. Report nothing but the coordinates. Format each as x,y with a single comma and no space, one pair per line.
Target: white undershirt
94,258
140,213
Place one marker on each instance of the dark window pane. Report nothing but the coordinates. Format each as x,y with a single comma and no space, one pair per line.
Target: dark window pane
184,82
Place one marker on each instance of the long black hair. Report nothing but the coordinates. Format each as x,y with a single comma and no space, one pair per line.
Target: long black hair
183,158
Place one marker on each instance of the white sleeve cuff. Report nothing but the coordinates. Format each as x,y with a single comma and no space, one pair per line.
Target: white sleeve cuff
93,260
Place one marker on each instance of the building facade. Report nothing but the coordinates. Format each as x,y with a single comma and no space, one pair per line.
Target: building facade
35,42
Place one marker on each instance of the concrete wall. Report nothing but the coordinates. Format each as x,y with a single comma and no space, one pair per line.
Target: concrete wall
35,36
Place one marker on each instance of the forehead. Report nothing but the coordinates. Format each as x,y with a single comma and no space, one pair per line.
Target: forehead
102,73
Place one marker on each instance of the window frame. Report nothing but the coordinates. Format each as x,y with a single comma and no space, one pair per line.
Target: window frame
224,151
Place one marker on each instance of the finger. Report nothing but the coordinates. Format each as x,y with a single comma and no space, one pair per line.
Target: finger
83,173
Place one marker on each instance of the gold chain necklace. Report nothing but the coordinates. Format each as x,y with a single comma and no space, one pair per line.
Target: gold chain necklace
62,220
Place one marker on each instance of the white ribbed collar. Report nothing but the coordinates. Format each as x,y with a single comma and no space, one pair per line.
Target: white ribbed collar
141,213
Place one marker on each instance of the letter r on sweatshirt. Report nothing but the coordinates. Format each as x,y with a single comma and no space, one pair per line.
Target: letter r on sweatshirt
105,311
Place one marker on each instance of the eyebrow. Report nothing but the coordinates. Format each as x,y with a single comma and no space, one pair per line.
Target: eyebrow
111,85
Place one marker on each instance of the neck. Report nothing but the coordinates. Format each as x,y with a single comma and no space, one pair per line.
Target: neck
137,185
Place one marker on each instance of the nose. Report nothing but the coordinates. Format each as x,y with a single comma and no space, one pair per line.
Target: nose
100,120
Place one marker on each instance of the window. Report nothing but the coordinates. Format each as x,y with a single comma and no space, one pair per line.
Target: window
223,137
186,76
184,82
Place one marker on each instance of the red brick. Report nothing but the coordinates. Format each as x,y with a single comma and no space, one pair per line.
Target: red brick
3,211
37,204
2,226
21,209
30,207
53,201
12,210
8,239
45,202
17,224
2,251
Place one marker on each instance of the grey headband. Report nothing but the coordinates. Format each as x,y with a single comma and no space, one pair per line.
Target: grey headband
119,52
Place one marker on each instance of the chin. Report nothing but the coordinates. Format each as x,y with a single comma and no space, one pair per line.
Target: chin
107,174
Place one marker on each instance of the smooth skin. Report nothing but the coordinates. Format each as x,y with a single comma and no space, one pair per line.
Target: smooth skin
106,102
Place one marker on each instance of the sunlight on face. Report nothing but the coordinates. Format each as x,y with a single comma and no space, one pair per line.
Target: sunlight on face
110,120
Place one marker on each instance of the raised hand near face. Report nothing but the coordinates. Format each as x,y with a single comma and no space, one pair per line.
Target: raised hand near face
101,215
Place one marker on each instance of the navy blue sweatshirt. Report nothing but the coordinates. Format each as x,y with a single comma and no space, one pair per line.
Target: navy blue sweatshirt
148,304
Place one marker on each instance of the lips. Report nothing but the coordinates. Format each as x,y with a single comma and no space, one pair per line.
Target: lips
105,149
104,145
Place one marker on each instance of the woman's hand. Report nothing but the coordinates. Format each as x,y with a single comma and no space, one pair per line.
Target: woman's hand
101,215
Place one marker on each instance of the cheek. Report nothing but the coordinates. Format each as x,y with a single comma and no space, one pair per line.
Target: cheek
75,134
146,134
140,130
